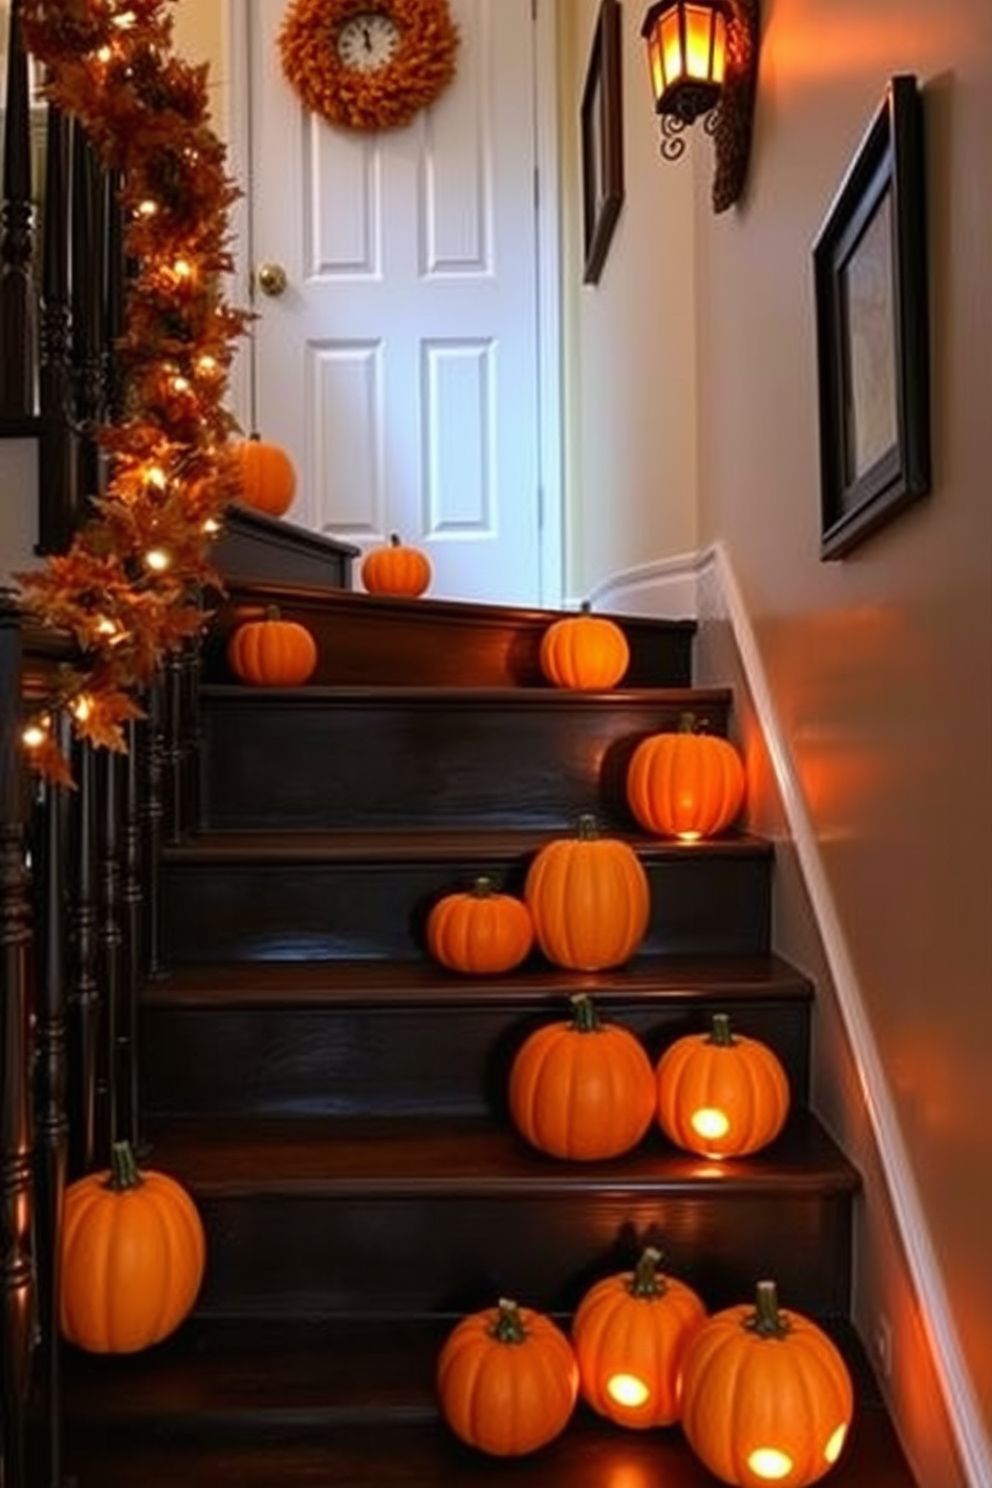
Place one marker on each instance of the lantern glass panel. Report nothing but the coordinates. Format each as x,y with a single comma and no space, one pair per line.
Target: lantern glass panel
673,63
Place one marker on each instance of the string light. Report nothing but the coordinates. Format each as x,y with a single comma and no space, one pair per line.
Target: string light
157,559
35,734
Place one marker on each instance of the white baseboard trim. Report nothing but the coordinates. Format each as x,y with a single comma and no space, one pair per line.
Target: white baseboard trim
959,1397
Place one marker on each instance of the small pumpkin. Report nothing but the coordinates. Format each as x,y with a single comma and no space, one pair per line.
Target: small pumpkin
480,932
132,1257
272,652
766,1395
721,1094
507,1380
581,1089
267,476
685,784
589,898
585,651
396,569
630,1332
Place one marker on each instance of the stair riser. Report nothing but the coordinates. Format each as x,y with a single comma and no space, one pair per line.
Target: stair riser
409,1255
387,1061
231,911
286,763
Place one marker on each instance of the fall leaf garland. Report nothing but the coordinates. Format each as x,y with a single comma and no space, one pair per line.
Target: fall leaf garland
127,587
387,97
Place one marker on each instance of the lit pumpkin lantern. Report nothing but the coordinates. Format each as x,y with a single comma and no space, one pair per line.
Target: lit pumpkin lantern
267,476
582,1090
630,1332
589,899
766,1395
721,1094
507,1380
584,651
685,784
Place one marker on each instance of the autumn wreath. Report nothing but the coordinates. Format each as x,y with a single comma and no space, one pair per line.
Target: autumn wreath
386,97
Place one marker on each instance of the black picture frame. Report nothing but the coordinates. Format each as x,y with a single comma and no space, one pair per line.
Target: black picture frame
872,336
601,125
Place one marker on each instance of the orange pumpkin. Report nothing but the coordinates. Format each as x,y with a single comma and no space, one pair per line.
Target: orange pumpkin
766,1396
267,476
396,569
630,1332
480,932
584,651
133,1255
685,784
589,899
583,1089
507,1381
721,1094
272,652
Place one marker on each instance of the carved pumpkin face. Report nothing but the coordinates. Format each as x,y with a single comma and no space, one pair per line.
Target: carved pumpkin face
507,1381
630,1332
721,1094
766,1396
685,784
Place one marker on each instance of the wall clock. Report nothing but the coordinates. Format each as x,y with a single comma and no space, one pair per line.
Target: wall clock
370,65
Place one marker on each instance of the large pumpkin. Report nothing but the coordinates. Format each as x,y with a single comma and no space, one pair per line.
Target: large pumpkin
584,651
507,1381
685,784
766,1395
132,1257
267,476
480,932
589,899
582,1089
721,1094
272,652
630,1332
396,569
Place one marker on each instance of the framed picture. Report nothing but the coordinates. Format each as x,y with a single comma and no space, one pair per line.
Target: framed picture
872,341
602,141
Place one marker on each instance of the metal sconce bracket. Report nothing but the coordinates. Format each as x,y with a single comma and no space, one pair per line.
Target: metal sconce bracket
734,114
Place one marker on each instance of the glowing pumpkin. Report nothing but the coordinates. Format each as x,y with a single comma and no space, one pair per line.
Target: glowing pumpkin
766,1396
685,784
630,1332
133,1256
721,1094
584,651
507,1381
583,1089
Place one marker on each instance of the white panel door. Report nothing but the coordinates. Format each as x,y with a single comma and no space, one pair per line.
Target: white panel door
400,364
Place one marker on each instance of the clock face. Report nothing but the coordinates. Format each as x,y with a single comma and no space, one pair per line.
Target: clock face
367,41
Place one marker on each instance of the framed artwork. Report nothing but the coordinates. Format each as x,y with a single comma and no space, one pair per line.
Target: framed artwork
872,339
601,123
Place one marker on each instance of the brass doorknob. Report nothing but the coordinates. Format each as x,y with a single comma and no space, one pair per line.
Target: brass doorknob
271,278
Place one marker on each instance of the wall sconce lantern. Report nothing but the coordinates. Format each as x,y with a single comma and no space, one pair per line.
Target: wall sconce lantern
703,61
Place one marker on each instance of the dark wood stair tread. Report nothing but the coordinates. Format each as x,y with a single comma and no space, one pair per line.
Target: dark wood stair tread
469,696
468,1156
687,979
351,1401
429,846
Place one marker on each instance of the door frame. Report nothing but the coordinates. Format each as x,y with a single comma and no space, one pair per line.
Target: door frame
548,269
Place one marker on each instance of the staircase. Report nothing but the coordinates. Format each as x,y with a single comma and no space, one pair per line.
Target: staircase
336,1103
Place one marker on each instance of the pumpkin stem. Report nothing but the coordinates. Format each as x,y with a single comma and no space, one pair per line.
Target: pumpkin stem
585,608
124,1172
483,887
721,1035
584,1016
394,540
647,1281
508,1327
690,724
588,828
272,612
766,1320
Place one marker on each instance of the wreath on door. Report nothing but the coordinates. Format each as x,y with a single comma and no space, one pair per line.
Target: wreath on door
418,63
